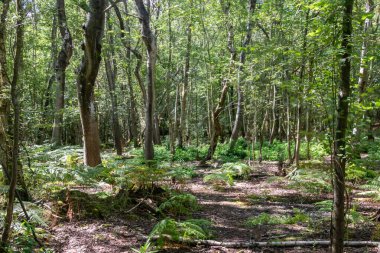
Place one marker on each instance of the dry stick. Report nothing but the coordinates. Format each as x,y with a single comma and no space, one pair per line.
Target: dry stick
25,212
253,244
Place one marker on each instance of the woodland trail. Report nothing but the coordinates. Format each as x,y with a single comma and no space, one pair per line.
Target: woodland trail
228,210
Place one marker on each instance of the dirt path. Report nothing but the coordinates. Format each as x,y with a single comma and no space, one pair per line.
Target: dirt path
228,210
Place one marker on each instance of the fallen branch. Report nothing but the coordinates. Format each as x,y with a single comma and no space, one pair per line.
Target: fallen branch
270,244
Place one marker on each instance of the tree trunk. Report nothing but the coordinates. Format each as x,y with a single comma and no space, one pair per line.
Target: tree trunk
50,81
216,129
5,85
274,117
125,28
363,72
88,71
60,72
185,88
239,111
111,72
16,118
288,129
339,157
300,92
150,43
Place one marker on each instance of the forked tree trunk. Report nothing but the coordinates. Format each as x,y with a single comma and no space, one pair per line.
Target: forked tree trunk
216,129
88,71
150,43
339,157
60,72
239,110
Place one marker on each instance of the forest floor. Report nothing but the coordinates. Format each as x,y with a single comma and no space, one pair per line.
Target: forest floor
228,209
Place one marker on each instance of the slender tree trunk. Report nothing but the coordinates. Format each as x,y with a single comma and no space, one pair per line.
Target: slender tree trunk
60,72
216,129
288,129
150,43
50,81
339,157
5,85
111,72
16,120
274,117
363,72
125,28
300,92
185,88
239,111
88,71
168,83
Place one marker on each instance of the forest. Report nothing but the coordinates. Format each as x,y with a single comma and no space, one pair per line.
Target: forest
190,126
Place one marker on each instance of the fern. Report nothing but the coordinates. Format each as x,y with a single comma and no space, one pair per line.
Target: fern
313,181
189,229
237,170
181,174
267,219
219,179
180,204
325,205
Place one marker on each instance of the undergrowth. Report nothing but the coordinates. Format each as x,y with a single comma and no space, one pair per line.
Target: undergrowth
298,216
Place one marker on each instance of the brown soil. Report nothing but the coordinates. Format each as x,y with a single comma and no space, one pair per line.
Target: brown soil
228,210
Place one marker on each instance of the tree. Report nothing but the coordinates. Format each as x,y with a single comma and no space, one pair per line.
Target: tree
87,73
339,156
13,174
111,72
61,64
151,47
239,111
217,128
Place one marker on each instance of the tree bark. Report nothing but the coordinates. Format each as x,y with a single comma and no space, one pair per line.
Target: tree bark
339,156
300,92
125,28
50,81
88,71
60,72
111,73
150,43
5,85
363,72
239,110
16,122
216,130
185,87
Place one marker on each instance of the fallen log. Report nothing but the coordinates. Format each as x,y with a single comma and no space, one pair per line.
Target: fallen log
254,244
